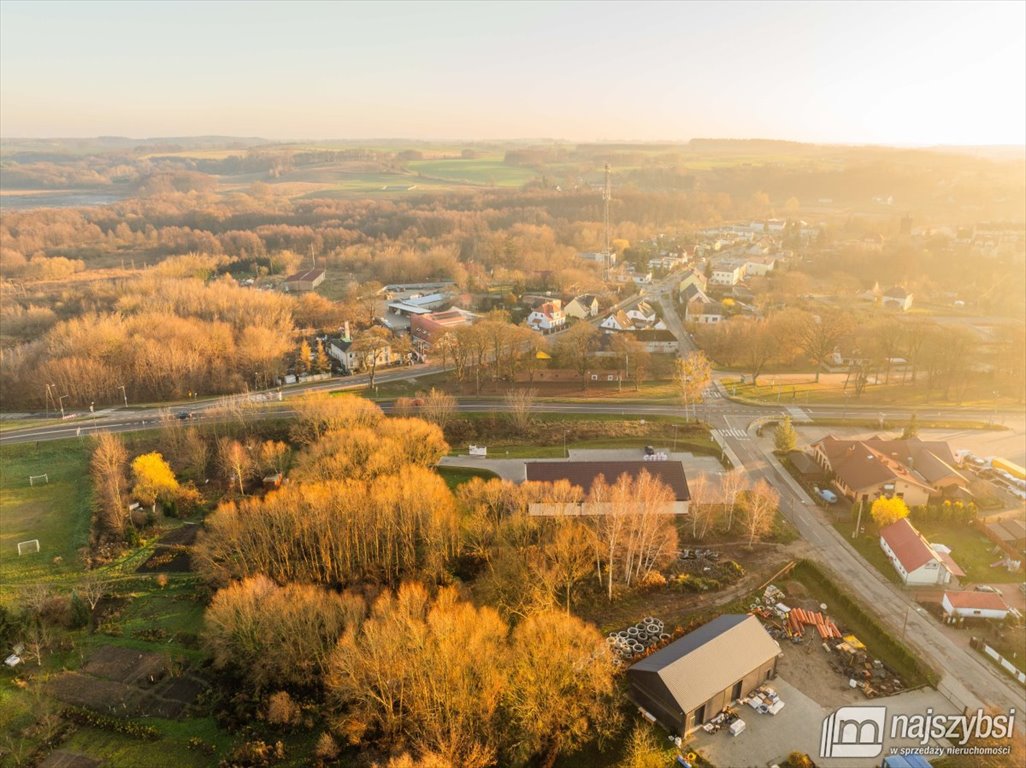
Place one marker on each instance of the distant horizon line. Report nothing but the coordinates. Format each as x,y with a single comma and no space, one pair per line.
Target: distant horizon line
507,140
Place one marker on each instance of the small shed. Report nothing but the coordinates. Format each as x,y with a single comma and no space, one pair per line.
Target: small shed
974,605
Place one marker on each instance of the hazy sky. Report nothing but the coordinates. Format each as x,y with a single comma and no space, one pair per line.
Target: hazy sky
897,73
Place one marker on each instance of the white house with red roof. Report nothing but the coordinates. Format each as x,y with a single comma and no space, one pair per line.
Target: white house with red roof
913,558
974,605
547,317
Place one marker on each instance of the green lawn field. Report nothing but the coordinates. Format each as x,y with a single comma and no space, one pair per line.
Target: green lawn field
481,172
57,513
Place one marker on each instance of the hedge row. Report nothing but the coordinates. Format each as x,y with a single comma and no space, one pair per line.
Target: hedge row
91,719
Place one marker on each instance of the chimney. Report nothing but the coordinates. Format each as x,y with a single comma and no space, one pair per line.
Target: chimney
345,331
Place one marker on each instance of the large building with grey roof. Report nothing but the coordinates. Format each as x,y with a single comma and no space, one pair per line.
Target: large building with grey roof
584,474
692,679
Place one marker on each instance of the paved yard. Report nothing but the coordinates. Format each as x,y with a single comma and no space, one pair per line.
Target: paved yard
768,739
513,469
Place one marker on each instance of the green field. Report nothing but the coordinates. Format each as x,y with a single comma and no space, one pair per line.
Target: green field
481,172
56,513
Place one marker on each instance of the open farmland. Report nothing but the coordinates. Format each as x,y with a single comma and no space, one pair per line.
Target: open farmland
482,172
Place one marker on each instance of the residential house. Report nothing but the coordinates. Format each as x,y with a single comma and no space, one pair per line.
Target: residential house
306,280
914,470
759,266
617,321
583,474
693,679
582,307
897,298
547,317
691,279
727,273
642,278
916,562
340,349
658,341
667,262
974,605
643,313
704,311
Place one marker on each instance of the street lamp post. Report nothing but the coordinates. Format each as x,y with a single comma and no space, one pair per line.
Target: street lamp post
60,402
124,394
566,451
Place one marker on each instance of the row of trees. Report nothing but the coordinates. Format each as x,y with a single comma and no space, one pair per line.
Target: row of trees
941,357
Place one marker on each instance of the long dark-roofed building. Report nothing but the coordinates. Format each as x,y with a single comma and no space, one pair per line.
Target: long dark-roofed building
583,474
692,679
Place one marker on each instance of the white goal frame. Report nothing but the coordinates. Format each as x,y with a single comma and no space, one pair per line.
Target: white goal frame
23,547
44,477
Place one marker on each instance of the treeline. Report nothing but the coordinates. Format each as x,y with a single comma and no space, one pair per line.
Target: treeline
881,348
162,339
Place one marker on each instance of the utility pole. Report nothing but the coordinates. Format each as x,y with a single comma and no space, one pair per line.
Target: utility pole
123,394
607,194
858,522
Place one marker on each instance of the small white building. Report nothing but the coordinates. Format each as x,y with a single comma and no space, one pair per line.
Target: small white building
974,605
898,298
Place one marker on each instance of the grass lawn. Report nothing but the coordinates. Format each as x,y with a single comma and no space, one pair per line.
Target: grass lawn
502,450
56,513
868,546
970,549
456,476
484,172
801,389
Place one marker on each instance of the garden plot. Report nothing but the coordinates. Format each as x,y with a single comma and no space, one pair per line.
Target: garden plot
128,683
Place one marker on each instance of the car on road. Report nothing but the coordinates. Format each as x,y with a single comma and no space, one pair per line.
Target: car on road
183,415
649,450
987,588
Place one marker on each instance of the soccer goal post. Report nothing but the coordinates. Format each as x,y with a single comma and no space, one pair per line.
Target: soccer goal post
26,547
44,479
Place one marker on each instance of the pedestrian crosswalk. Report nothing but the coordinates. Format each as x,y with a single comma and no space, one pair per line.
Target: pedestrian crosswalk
736,432
711,394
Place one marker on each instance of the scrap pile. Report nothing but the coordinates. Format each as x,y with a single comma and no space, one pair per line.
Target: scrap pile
798,619
727,718
764,700
783,622
867,674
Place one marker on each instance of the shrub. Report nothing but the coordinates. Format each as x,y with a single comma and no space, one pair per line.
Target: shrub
282,710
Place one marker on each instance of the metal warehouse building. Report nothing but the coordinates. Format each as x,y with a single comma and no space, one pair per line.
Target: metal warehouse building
689,681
